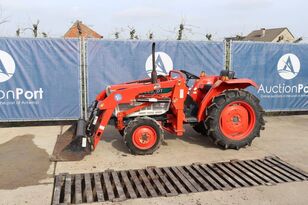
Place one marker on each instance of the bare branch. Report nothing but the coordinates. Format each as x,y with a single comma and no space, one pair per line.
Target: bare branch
45,35
3,19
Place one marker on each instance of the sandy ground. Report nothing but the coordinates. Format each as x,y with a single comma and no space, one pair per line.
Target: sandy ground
26,175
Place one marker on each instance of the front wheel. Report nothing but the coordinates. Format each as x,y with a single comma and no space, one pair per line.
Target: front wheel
234,119
143,135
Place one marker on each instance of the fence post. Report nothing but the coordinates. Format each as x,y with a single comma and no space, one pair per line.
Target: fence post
85,69
227,54
83,78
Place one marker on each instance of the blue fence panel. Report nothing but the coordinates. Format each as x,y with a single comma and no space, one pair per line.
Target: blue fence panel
281,71
112,62
39,79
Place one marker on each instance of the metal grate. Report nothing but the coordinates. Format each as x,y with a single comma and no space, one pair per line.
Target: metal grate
170,181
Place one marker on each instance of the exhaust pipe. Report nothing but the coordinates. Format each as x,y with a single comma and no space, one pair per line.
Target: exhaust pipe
154,73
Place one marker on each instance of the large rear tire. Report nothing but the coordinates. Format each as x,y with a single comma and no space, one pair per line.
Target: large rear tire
234,119
143,136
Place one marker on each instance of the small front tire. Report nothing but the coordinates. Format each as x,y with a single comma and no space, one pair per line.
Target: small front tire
143,136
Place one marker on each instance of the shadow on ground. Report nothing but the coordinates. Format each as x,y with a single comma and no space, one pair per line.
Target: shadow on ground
36,123
111,135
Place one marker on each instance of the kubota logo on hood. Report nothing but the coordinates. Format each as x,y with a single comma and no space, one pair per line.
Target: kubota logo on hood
288,66
7,66
163,63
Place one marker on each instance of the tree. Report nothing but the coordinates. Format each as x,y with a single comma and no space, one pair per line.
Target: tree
35,30
18,32
117,32
183,27
208,36
117,35
132,33
151,35
3,18
180,32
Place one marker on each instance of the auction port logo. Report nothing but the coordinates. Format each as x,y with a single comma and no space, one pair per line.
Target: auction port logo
288,66
7,66
163,64
16,95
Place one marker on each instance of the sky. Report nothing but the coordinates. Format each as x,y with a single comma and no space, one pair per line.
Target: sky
221,18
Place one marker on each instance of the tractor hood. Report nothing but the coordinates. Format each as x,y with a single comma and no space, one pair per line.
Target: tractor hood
112,88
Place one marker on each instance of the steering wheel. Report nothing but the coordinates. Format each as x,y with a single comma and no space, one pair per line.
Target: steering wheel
162,78
189,75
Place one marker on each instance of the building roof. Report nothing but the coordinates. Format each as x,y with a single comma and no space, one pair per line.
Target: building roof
79,29
265,34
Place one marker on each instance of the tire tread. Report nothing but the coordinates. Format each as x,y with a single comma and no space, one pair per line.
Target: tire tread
212,118
128,131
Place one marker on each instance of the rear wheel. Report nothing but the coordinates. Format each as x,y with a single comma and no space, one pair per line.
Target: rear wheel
234,119
143,135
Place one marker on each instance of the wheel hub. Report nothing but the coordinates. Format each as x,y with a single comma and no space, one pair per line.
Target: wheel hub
144,137
237,120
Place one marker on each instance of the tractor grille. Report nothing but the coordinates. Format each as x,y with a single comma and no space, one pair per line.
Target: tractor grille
153,109
171,181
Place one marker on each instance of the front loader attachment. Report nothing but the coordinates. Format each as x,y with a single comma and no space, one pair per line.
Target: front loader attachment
72,145
82,137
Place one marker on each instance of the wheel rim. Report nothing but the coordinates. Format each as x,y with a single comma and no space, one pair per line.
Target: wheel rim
237,120
144,137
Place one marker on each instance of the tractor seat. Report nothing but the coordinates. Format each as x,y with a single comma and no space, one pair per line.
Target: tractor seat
227,73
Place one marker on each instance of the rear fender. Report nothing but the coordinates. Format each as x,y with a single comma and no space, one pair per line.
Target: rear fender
219,87
239,83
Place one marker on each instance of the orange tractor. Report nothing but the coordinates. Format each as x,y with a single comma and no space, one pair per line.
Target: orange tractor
142,110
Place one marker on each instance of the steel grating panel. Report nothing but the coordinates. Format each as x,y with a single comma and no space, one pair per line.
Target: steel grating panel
171,181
